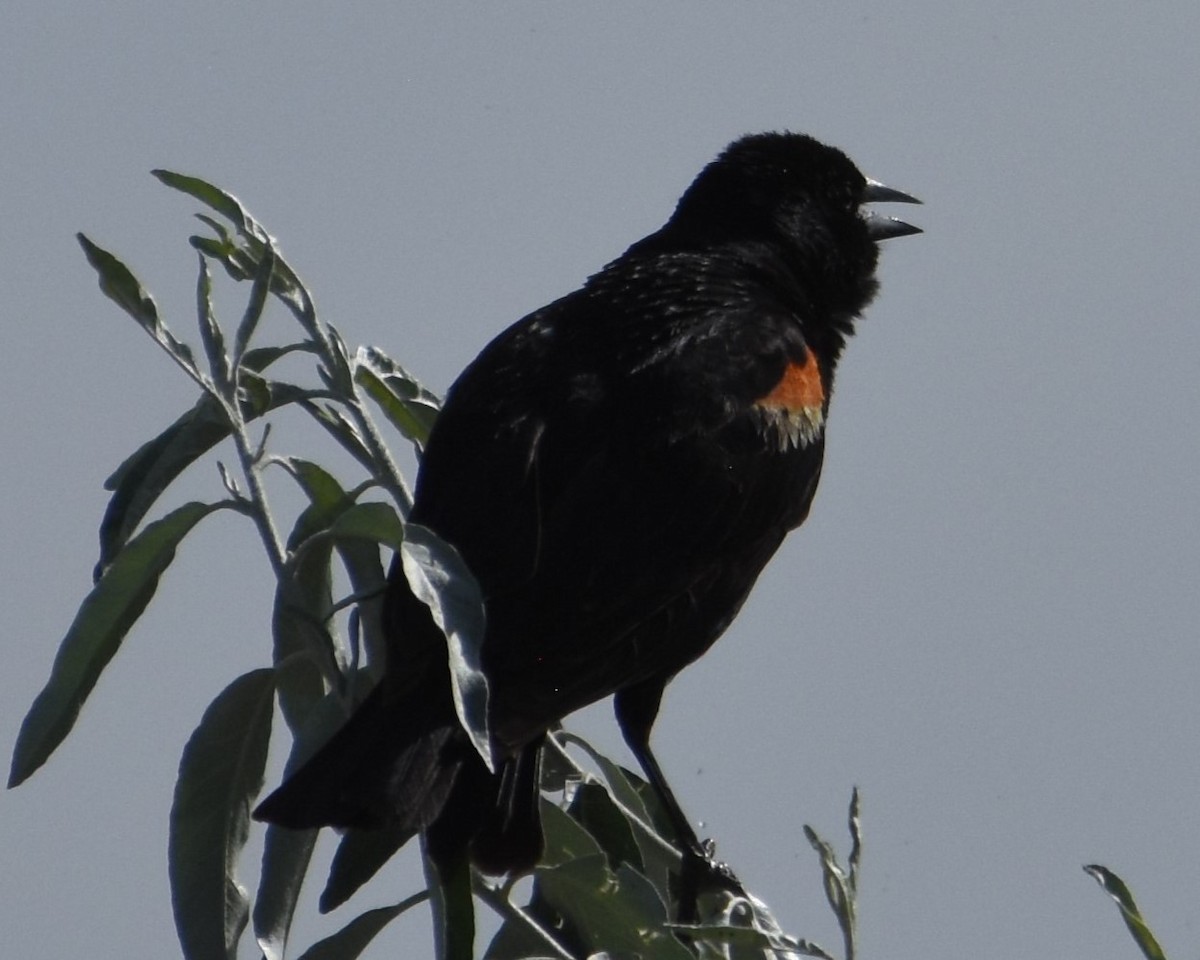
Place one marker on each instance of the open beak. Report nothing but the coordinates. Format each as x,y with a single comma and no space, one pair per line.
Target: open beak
883,228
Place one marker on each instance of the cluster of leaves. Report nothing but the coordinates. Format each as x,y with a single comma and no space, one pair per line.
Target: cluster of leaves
607,883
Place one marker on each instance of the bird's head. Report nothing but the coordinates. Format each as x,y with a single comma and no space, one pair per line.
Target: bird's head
791,190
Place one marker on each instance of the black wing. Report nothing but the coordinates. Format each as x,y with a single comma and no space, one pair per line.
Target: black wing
604,471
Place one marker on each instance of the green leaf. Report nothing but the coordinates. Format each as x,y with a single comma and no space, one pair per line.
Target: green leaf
374,521
287,853
840,885
360,855
621,782
243,260
303,601
340,379
364,567
301,628
593,807
220,774
516,940
100,625
453,907
224,236
285,860
327,498
224,203
641,809
255,306
618,912
139,481
349,942
837,890
1115,887
409,407
440,579
120,285
210,332
749,942
566,838
854,824
742,927
338,426
559,769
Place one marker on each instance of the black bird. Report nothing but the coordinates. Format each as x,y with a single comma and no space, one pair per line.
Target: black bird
616,469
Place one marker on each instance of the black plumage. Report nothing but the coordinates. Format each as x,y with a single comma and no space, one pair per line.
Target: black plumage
616,469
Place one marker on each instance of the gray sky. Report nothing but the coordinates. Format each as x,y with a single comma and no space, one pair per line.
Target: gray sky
988,623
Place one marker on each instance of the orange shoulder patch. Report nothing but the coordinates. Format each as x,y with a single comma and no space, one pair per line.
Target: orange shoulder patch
799,388
793,413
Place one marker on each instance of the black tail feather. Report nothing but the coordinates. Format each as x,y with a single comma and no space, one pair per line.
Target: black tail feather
510,836
406,765
383,768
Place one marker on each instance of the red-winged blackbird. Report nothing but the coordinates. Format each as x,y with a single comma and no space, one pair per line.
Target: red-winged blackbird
616,469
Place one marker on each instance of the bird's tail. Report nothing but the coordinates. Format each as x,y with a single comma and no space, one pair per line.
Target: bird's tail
390,765
414,769
403,761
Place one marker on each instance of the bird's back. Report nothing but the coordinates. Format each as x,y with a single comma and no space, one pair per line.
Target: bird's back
611,475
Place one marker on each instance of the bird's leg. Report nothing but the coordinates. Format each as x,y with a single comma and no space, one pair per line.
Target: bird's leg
636,708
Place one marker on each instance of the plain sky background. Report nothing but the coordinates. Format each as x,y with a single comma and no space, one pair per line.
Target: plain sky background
988,623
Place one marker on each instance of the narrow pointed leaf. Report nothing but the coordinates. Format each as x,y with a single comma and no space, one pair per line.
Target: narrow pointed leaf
343,431
620,781
750,942
839,891
371,521
1115,887
515,940
100,625
327,498
453,907
287,853
855,826
349,942
224,236
641,809
225,251
143,476
120,285
210,331
440,579
595,811
340,379
255,306
615,911
409,406
303,601
364,567
224,203
220,774
560,770
302,631
566,838
286,856
242,260
357,533
139,481
360,855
